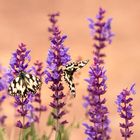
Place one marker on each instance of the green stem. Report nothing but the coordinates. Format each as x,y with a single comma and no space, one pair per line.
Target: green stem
58,133
57,125
23,119
126,123
50,134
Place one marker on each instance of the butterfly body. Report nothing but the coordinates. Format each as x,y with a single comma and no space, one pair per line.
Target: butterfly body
69,70
23,84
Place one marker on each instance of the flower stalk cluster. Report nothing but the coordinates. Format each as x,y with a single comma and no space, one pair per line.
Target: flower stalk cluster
57,57
94,102
124,100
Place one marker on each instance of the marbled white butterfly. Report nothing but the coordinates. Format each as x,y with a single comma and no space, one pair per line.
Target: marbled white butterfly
69,71
23,84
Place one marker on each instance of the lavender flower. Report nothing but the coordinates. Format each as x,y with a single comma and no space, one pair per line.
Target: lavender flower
19,62
94,103
57,57
38,70
2,116
3,89
125,111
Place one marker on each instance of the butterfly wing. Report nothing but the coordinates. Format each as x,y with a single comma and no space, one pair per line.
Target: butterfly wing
80,64
33,83
17,87
23,84
69,79
69,71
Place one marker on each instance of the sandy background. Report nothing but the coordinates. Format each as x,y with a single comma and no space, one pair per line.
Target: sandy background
26,21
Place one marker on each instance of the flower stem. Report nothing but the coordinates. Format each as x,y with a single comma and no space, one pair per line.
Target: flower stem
23,117
57,121
50,134
126,122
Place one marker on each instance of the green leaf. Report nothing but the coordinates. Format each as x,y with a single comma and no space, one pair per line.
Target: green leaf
58,136
66,135
44,137
28,133
51,120
24,134
2,134
33,134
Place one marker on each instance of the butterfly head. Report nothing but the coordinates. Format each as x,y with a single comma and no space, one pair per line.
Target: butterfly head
22,74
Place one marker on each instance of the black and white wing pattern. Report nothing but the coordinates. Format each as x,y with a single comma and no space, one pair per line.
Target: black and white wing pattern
23,84
69,71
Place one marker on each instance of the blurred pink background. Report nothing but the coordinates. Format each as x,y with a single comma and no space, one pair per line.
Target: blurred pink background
26,21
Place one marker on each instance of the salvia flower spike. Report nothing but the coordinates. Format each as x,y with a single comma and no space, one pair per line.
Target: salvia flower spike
124,102
19,63
57,57
97,111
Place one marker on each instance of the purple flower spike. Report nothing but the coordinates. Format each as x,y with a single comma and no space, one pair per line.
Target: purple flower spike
97,111
123,101
57,57
19,62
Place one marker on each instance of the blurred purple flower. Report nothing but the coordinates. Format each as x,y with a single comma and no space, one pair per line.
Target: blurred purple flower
95,106
57,57
2,119
38,71
32,117
91,26
2,84
125,111
19,124
2,98
3,93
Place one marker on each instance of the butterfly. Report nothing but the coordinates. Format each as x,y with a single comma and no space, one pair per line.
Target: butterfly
68,72
23,84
